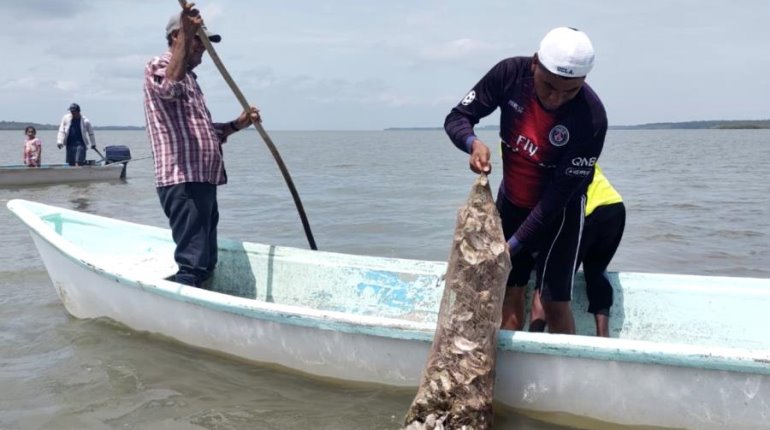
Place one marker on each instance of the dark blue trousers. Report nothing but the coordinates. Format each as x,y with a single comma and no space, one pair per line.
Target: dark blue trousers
76,154
193,216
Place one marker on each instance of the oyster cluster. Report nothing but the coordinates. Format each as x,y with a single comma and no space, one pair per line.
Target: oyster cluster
457,386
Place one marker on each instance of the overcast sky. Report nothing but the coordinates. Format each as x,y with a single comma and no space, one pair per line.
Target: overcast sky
371,64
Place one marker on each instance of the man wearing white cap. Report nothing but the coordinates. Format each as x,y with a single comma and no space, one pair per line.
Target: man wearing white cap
187,146
552,128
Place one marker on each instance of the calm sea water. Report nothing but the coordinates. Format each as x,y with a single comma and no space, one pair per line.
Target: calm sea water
697,204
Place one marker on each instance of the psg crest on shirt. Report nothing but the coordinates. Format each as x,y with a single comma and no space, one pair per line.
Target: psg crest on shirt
559,135
469,98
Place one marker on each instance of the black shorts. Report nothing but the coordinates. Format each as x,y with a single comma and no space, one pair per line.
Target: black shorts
553,253
602,233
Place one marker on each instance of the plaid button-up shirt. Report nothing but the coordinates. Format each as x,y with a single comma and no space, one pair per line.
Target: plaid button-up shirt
186,144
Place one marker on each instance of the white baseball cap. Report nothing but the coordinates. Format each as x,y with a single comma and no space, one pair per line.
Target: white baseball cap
566,51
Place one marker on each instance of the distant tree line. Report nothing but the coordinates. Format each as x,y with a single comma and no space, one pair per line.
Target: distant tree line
15,125
693,125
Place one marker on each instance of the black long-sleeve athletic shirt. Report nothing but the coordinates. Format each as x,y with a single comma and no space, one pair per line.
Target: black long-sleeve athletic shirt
548,156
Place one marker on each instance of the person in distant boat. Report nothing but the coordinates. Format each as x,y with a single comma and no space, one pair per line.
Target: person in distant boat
187,146
77,134
603,230
33,148
552,129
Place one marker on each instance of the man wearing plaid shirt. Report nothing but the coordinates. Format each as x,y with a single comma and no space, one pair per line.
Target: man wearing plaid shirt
187,147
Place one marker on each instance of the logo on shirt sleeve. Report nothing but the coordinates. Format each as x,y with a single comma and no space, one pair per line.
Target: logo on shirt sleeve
559,135
517,107
469,98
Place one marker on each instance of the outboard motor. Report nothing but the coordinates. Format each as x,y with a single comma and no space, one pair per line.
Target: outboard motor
116,153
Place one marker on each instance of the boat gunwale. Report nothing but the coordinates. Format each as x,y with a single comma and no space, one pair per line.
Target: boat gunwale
61,166
742,360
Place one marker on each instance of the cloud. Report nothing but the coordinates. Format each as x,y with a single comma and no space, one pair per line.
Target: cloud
457,49
29,83
20,84
44,9
122,67
265,83
357,64
61,10
66,86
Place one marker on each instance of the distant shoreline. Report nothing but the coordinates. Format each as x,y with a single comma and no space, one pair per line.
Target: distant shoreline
687,125
16,125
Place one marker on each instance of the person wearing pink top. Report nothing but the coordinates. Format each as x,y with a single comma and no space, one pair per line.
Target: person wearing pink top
187,147
33,148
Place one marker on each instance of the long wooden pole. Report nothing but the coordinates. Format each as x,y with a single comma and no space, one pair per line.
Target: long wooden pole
269,142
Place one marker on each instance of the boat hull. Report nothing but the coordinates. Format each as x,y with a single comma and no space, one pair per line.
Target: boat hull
583,380
60,173
327,353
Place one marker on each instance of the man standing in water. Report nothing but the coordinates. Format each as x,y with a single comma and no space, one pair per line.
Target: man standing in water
187,146
552,127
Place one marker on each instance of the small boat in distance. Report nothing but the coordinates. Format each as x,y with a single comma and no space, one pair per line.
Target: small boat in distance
19,175
687,352
111,167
